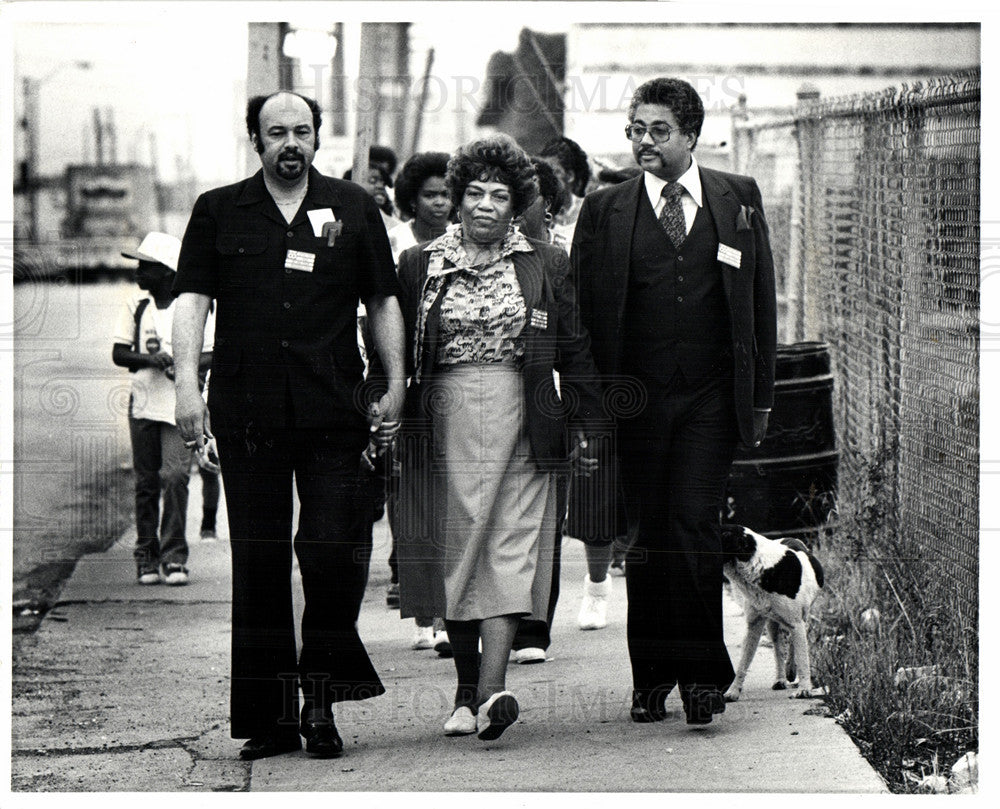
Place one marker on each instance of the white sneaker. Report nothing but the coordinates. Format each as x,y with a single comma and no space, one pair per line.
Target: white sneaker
149,577
423,638
530,655
594,609
175,574
462,722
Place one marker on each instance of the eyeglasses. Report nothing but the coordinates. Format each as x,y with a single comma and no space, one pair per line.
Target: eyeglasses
660,133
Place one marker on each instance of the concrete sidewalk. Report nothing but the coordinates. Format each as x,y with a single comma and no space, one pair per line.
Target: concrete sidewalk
126,688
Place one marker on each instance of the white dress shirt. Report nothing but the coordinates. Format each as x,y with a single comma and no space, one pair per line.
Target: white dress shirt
690,180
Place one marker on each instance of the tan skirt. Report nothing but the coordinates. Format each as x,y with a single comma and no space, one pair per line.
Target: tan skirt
493,513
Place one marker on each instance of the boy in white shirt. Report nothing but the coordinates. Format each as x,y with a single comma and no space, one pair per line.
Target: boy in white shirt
142,343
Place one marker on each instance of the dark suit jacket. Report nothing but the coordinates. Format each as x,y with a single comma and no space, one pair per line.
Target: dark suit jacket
560,346
600,258
283,334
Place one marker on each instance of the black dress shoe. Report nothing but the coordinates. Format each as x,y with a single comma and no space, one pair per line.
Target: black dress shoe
701,704
649,706
267,746
322,739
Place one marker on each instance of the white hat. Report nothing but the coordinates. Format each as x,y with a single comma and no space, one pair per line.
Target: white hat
159,247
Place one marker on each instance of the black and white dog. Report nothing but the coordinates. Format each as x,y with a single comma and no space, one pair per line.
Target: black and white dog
777,582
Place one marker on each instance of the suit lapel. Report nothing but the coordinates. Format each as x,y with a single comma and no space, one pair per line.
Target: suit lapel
621,223
725,208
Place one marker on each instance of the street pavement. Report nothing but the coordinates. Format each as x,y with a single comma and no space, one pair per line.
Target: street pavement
125,688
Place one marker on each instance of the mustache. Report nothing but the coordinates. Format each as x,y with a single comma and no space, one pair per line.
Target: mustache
290,153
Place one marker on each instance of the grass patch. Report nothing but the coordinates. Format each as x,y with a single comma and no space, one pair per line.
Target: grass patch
896,645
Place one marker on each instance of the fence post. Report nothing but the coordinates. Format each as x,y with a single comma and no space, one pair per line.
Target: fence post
795,275
803,261
741,136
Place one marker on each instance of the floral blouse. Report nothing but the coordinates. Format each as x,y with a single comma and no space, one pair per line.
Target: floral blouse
482,312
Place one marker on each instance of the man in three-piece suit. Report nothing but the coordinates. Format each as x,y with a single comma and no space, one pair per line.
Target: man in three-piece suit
676,287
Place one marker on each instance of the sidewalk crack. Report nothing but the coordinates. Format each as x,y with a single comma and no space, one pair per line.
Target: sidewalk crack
155,744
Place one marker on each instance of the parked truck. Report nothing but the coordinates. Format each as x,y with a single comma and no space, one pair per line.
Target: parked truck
105,209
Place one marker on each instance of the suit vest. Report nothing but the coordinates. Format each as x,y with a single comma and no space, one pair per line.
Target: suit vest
676,314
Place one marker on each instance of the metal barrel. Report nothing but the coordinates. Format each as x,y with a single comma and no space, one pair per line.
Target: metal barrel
787,486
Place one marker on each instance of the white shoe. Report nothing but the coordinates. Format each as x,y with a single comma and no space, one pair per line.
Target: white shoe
423,638
594,609
462,722
530,655
497,714
175,574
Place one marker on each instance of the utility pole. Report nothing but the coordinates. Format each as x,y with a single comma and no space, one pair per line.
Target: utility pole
31,124
98,137
418,115
367,101
112,134
29,171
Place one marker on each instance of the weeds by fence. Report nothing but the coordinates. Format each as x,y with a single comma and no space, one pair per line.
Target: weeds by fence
877,240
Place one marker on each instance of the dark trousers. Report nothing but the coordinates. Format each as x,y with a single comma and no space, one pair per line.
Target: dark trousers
161,463
535,634
333,545
209,498
675,460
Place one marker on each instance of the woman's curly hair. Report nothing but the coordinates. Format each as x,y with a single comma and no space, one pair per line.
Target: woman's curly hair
412,176
549,186
573,160
498,159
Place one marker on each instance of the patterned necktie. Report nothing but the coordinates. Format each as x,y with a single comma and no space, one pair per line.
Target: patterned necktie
672,215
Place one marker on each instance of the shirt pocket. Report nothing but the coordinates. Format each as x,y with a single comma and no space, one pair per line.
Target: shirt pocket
241,257
338,265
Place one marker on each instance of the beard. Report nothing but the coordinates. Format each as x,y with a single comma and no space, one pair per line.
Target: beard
290,164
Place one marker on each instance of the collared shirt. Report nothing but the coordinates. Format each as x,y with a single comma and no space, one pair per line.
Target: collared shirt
690,199
493,339
286,347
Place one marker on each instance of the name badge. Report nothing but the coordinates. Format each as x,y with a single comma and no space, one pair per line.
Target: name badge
539,319
300,260
729,255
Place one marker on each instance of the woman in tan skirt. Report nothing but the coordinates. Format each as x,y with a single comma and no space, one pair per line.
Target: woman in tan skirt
489,314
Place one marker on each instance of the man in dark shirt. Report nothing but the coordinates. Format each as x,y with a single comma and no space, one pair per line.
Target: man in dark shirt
286,254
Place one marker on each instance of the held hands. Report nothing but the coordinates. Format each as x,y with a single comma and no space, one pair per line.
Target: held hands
581,458
389,407
383,418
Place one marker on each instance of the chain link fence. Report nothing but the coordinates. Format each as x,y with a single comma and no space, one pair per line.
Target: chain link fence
873,203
